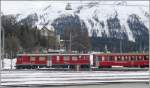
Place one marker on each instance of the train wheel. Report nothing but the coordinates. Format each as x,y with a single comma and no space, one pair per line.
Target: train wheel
36,67
29,67
33,67
23,67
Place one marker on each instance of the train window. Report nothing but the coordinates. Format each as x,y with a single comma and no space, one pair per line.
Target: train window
119,58
32,58
66,58
136,58
122,58
86,57
146,57
83,57
129,58
139,58
132,58
126,58
111,58
79,56
74,58
19,58
41,58
115,58
57,58
103,58
98,58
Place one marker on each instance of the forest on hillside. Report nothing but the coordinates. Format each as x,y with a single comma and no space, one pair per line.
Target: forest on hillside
24,36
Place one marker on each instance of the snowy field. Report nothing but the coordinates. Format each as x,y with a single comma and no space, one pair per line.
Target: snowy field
56,78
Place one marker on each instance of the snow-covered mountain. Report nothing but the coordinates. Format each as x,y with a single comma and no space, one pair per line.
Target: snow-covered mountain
115,20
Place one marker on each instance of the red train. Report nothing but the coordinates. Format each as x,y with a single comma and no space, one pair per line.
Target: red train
81,61
125,60
52,60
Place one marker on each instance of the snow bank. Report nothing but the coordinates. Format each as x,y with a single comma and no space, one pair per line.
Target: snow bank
7,63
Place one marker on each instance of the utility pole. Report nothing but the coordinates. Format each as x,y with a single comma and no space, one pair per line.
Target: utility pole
3,47
70,43
0,48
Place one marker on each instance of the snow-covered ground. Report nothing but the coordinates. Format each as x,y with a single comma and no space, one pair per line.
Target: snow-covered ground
48,78
7,63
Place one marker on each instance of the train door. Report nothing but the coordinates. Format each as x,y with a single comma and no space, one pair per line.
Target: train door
97,61
49,61
91,60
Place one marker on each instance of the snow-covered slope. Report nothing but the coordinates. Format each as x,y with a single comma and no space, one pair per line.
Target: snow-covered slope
111,19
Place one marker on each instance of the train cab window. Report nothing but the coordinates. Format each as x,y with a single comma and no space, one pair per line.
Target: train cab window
146,57
19,58
32,58
74,58
41,58
66,58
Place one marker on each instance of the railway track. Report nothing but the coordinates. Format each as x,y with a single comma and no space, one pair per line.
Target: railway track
66,69
13,78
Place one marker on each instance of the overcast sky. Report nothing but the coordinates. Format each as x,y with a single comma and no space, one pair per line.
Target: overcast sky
14,7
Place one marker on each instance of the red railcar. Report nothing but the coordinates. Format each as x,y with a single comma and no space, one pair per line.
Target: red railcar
52,60
124,60
71,61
